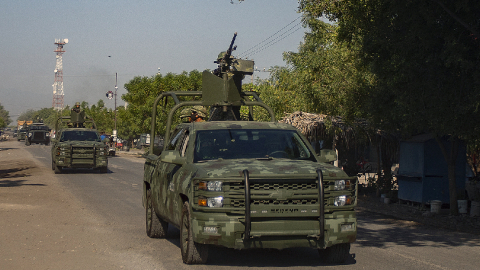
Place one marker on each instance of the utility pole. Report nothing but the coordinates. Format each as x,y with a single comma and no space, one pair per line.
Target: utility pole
116,87
111,95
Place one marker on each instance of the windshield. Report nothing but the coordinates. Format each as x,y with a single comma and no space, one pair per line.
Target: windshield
80,135
39,128
251,143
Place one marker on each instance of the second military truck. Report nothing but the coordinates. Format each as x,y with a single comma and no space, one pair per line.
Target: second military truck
77,144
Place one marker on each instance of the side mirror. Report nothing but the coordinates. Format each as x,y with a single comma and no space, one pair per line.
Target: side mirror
328,155
172,156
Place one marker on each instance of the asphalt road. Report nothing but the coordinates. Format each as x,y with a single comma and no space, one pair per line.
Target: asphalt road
111,203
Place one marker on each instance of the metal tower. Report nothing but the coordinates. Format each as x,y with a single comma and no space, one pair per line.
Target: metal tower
57,103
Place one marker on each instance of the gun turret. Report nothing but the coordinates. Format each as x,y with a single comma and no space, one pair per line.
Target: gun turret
224,58
222,90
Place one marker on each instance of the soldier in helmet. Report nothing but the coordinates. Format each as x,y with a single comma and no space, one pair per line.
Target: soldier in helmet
76,108
77,116
194,114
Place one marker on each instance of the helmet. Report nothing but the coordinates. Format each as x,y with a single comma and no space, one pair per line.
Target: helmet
200,110
221,55
186,112
77,104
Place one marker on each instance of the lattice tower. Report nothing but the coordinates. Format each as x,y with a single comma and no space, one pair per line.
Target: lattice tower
58,94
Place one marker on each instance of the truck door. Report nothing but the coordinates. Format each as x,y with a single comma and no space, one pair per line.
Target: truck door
165,174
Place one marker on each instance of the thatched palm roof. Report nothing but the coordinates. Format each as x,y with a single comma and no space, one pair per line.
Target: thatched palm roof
315,126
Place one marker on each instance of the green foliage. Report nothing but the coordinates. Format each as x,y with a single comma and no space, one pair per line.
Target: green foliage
46,115
325,76
104,118
424,55
4,117
141,94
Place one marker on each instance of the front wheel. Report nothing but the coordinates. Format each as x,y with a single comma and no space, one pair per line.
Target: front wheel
192,253
155,227
335,254
57,169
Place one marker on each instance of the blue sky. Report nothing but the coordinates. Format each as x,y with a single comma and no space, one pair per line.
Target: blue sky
140,36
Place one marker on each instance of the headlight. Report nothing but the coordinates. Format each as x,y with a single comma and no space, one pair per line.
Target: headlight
343,200
211,202
210,185
342,184
29,134
215,202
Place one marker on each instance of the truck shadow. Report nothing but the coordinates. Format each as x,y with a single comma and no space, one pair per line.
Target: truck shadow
6,148
83,171
14,172
377,230
289,257
16,183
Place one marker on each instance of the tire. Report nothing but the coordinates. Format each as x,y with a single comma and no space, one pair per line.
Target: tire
335,254
57,169
192,253
155,227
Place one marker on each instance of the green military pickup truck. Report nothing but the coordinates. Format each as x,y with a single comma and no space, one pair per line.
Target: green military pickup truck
78,146
244,184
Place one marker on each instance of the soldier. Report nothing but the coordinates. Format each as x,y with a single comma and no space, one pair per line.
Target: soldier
77,116
76,108
194,114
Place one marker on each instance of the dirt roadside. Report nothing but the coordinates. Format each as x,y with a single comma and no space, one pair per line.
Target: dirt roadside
41,226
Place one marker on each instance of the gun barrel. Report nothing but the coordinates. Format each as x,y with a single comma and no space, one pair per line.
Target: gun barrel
230,48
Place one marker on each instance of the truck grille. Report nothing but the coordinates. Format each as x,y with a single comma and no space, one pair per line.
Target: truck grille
294,192
275,186
241,203
82,155
39,136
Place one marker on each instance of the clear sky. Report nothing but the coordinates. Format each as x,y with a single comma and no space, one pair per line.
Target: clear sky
139,36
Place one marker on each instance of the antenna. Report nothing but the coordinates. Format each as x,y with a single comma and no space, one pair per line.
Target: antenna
58,94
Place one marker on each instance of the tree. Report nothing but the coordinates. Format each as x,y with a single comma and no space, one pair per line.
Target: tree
4,117
141,94
103,117
425,60
326,74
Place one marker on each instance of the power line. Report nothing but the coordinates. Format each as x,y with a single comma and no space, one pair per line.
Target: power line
261,46
276,40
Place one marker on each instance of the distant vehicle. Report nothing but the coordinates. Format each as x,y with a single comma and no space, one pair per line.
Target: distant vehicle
143,141
37,133
21,134
76,146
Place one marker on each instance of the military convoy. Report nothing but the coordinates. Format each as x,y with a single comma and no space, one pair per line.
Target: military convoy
242,183
77,144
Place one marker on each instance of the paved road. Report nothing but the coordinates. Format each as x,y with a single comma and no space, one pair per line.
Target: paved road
113,202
